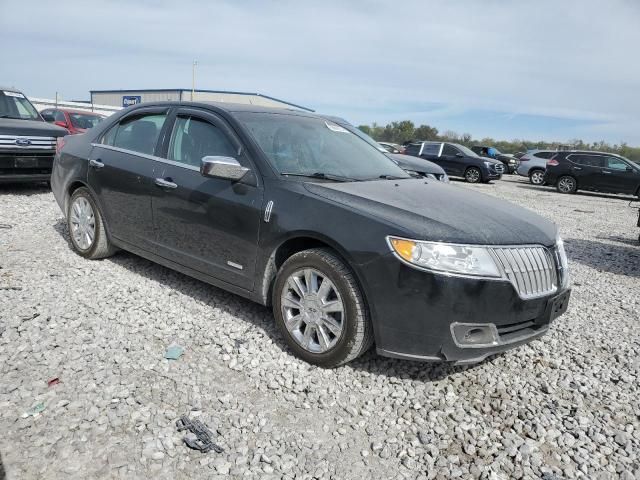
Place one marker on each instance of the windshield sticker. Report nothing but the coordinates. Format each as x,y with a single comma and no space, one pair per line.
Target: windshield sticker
336,128
13,94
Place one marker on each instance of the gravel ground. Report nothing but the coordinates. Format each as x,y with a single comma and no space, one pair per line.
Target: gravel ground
566,406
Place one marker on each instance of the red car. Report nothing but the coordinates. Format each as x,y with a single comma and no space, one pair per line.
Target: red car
75,121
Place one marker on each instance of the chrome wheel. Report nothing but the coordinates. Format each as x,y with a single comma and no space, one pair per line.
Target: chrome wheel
83,223
313,310
537,177
567,185
473,175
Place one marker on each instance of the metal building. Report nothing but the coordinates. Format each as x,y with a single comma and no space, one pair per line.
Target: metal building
125,98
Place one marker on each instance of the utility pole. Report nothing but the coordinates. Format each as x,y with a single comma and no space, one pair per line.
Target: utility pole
193,79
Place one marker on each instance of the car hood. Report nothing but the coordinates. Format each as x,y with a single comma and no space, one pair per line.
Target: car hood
432,210
415,164
12,126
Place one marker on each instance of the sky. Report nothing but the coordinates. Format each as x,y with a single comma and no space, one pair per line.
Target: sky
529,69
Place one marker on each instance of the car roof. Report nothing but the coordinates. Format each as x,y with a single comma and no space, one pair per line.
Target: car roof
230,107
10,89
72,110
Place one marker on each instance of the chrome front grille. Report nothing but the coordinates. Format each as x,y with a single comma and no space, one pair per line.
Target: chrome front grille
531,270
499,168
27,142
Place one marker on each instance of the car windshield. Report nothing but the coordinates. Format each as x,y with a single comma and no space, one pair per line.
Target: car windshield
467,151
84,120
16,105
301,145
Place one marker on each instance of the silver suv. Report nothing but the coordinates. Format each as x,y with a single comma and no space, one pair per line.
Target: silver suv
533,165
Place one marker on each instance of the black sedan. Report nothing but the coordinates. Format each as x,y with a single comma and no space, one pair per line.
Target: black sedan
292,210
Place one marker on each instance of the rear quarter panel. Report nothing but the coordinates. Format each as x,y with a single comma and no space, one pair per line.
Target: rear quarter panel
70,167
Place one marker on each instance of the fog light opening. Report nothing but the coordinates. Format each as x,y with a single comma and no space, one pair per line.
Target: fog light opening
472,335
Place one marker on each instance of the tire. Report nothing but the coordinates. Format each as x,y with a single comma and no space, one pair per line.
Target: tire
81,222
327,338
567,184
536,177
473,175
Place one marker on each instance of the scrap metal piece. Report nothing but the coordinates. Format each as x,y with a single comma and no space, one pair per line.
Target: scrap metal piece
203,440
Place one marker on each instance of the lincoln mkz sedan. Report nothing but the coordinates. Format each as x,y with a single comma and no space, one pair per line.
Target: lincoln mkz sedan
294,211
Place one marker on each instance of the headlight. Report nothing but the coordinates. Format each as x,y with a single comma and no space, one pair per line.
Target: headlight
446,257
431,176
563,263
489,164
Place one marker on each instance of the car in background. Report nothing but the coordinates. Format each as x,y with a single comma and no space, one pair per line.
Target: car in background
458,161
510,162
392,147
414,166
75,121
27,143
295,212
533,165
575,170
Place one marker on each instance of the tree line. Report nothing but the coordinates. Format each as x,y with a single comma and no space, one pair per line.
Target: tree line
405,131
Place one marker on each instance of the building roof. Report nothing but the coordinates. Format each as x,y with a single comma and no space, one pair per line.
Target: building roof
254,94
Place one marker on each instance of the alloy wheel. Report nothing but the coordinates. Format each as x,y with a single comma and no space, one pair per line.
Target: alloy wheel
473,175
566,185
83,223
537,177
313,310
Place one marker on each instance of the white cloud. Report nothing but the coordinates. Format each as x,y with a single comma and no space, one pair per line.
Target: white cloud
366,60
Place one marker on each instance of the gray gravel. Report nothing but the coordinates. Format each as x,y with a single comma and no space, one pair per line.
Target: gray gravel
566,406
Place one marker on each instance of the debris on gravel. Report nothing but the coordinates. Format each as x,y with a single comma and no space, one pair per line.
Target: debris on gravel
565,406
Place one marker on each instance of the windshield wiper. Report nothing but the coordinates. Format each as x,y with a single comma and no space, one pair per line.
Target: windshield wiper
393,177
323,176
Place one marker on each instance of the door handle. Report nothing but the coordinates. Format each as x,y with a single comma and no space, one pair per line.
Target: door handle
96,163
606,171
577,168
161,182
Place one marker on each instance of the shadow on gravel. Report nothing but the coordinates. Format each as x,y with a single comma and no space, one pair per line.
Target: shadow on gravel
254,314
618,259
579,193
3,475
23,189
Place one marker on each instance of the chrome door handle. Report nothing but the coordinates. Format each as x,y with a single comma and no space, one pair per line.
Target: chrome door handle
606,171
161,182
96,163
577,168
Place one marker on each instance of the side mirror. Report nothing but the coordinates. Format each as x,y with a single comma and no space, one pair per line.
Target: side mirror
222,167
62,124
629,169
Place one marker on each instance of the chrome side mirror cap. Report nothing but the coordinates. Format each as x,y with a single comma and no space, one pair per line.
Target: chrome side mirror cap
222,167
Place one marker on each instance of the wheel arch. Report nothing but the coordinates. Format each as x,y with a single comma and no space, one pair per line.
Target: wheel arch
294,243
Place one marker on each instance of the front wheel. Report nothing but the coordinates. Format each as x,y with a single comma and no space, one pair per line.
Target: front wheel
320,310
536,177
567,184
86,227
473,175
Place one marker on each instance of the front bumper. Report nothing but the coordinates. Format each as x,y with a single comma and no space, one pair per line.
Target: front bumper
413,312
25,166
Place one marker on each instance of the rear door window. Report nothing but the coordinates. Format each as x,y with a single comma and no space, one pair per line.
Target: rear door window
545,155
431,149
587,160
138,134
194,138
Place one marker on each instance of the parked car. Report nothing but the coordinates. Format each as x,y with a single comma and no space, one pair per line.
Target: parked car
575,170
533,164
458,161
75,121
27,143
392,147
509,161
292,210
415,166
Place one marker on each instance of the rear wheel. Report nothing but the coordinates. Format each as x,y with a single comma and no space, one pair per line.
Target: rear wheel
86,227
567,184
320,310
473,175
536,177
